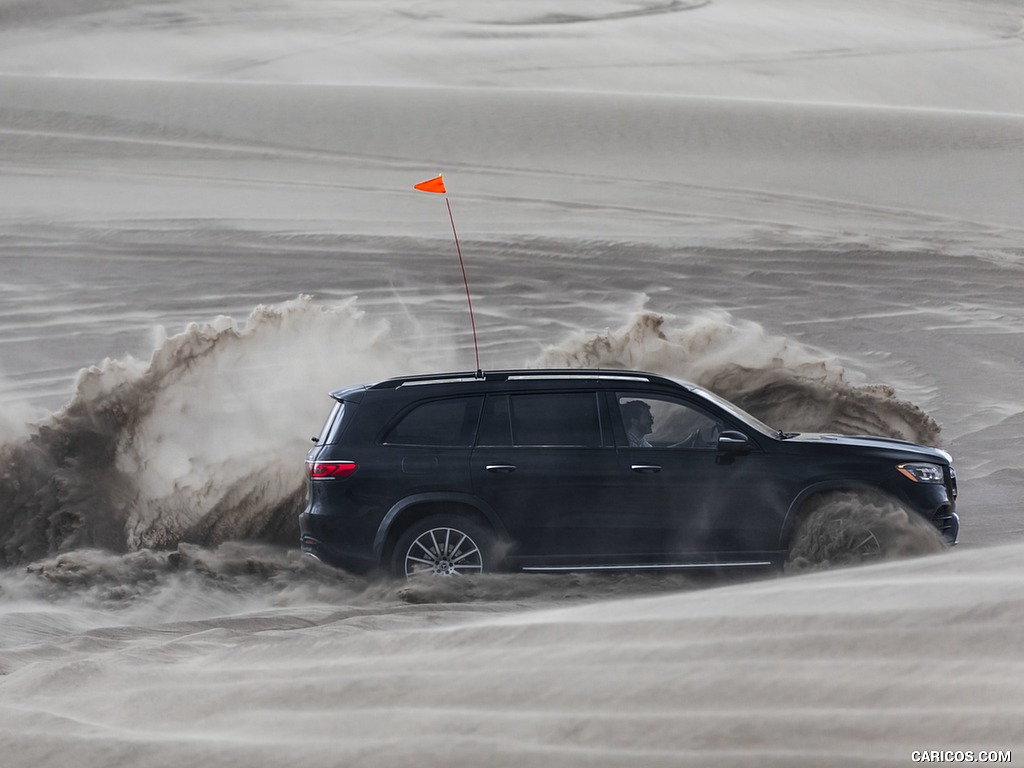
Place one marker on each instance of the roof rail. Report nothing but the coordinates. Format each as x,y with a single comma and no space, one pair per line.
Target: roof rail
518,375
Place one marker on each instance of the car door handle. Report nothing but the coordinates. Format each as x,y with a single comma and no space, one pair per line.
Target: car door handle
501,468
648,468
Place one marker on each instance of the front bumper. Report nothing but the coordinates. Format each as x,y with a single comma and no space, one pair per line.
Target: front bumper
948,524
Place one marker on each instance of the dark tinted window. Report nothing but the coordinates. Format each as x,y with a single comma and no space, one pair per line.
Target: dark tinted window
438,422
332,427
570,418
660,422
495,424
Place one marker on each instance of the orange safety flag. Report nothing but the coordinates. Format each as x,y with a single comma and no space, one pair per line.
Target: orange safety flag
435,184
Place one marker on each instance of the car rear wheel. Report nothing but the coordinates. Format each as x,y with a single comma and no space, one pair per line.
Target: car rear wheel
443,546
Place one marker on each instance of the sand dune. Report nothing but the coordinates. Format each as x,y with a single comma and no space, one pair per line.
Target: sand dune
951,55
663,167
852,667
207,213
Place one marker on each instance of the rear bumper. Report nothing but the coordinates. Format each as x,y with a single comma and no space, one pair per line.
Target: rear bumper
316,539
327,554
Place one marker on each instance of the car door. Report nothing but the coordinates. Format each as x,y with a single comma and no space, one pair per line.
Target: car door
428,449
690,500
546,462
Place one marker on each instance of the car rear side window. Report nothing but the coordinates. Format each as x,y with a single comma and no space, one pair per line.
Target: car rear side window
450,422
552,419
332,427
495,424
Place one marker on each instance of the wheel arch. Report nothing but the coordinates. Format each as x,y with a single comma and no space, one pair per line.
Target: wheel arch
412,508
807,500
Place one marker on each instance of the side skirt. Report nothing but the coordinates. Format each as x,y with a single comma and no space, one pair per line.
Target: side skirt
647,566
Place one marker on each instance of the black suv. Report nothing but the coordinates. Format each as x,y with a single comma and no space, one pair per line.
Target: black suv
559,470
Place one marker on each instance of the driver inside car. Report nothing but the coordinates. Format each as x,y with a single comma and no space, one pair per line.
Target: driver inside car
636,415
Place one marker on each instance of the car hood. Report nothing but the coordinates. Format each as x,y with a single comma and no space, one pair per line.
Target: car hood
867,441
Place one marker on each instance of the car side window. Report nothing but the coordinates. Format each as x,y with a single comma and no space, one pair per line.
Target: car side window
543,419
450,422
656,422
496,423
333,424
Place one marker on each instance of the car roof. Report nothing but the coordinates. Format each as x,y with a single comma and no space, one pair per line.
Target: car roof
523,374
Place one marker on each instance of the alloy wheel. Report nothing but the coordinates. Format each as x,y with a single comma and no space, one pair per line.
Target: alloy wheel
443,552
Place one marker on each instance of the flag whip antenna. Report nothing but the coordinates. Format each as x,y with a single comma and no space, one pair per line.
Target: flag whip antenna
436,185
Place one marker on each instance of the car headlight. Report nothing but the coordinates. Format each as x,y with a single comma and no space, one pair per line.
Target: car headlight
922,473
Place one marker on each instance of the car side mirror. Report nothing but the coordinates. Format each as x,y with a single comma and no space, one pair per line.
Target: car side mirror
734,442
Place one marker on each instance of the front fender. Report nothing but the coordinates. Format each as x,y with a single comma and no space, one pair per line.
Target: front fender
792,518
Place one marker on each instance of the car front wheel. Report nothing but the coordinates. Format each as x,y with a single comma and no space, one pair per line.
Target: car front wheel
443,546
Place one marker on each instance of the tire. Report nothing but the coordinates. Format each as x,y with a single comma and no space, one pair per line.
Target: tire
849,528
443,545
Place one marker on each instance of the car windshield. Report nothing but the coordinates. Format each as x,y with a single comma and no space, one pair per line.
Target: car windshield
736,411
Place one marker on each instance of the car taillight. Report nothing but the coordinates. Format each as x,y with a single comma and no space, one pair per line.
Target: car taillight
329,470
